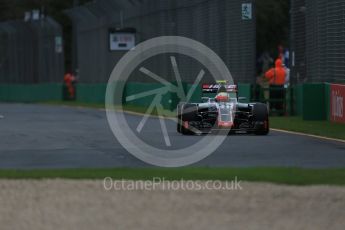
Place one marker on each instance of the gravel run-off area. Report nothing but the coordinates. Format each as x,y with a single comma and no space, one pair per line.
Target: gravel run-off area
85,204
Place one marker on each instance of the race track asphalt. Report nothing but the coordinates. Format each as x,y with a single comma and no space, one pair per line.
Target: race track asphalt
45,136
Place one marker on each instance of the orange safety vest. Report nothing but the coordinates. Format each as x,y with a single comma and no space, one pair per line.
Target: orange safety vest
69,78
276,76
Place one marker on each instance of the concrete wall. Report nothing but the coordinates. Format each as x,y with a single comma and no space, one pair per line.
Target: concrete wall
312,101
31,92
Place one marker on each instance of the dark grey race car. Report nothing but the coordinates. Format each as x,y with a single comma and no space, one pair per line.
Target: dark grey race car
222,112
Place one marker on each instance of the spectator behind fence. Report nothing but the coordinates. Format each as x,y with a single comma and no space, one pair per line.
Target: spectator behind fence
264,62
276,77
70,82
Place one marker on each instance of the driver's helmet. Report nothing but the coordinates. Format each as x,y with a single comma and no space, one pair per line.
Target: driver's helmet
222,94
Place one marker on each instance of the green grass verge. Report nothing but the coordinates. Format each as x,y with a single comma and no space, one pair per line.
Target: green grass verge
289,176
75,104
321,128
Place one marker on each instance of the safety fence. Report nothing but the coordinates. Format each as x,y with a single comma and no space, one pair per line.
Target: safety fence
106,29
31,92
31,51
317,41
289,98
95,93
309,100
312,101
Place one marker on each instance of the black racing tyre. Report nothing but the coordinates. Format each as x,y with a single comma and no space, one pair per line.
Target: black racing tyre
260,119
185,131
178,117
189,112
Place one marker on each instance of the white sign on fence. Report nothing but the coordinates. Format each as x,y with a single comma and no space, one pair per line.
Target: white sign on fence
247,13
121,41
58,44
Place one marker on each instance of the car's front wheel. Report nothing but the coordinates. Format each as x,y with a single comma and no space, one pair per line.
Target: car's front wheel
189,113
179,118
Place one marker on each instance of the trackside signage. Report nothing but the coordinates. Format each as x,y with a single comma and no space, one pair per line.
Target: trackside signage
337,103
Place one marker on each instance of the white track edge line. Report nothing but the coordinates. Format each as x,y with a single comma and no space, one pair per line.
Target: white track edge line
308,135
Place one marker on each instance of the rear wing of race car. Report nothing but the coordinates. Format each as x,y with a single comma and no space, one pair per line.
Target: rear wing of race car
213,88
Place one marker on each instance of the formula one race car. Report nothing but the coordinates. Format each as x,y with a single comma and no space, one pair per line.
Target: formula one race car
222,112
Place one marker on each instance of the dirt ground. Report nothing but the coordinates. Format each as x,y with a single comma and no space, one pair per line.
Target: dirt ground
85,204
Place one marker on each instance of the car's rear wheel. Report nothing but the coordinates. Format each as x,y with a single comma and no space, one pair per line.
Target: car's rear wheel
260,119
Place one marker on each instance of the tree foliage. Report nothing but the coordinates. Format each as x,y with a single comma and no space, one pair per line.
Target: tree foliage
272,18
